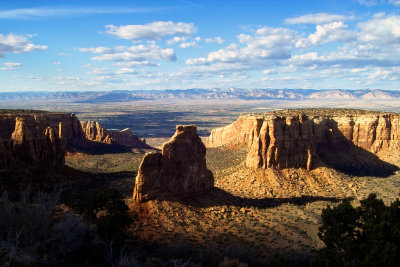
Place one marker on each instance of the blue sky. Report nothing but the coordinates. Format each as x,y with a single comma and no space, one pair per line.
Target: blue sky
180,44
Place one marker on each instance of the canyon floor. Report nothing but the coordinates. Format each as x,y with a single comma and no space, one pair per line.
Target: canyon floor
242,216
246,217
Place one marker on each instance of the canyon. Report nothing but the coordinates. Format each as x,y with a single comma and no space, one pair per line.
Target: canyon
38,140
308,138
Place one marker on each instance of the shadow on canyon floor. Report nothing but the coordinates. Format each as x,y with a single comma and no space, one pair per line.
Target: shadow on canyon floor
219,197
68,179
96,148
341,154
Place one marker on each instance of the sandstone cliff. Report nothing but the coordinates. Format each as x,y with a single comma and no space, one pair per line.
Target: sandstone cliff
36,139
93,131
39,140
347,139
180,170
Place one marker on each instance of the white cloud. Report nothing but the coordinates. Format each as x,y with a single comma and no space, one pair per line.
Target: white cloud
368,2
13,43
136,63
176,39
385,74
57,63
371,3
381,30
66,78
33,77
317,18
188,44
12,64
331,32
267,44
156,30
140,53
217,40
97,50
395,2
125,71
31,13
100,71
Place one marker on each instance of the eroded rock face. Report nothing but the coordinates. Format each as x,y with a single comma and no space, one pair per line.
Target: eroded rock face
39,140
179,170
302,140
36,140
93,131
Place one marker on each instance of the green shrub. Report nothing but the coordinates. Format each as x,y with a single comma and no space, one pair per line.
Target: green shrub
368,235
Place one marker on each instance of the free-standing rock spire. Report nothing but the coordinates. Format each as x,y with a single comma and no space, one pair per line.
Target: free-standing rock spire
180,170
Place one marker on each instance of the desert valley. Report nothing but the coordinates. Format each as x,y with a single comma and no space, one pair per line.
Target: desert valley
248,192
187,133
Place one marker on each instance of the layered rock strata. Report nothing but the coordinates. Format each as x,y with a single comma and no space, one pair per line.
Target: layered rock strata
93,131
179,170
39,140
36,139
303,138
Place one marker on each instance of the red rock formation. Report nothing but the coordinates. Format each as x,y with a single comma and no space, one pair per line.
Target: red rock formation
180,170
233,134
39,140
95,132
34,140
290,139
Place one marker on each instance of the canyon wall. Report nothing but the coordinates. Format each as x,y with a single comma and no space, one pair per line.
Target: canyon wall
39,140
179,170
36,139
95,132
304,139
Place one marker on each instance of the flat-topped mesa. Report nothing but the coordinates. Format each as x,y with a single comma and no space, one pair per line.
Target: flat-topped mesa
301,138
93,131
179,170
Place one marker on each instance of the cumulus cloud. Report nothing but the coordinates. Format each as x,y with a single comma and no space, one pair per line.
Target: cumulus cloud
380,30
156,30
176,39
189,44
331,32
265,45
317,18
14,43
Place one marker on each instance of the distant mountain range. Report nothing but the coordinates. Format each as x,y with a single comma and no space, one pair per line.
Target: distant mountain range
229,93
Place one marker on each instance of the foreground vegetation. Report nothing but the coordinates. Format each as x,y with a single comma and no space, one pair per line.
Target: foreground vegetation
92,229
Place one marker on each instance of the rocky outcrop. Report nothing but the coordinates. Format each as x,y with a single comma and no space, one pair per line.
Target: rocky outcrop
304,138
236,133
36,140
93,131
39,140
179,170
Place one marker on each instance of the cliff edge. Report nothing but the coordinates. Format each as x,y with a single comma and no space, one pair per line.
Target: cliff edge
349,140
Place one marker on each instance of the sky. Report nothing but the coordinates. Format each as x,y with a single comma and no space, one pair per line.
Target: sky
180,44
